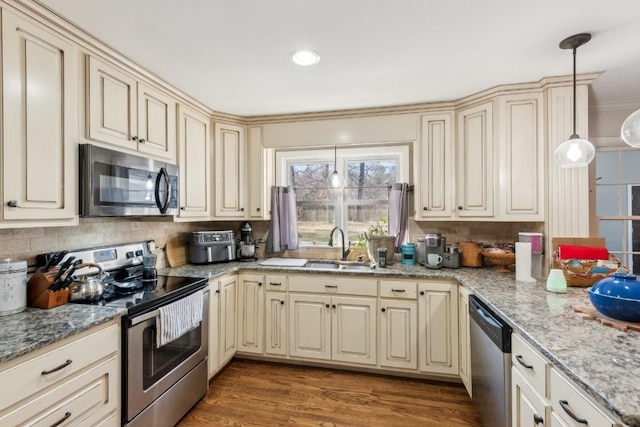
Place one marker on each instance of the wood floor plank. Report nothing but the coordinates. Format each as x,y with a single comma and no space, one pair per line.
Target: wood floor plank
251,393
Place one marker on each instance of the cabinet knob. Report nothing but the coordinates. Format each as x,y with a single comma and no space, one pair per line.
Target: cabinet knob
259,283
421,292
134,138
142,140
459,208
327,305
537,419
241,209
282,302
383,309
182,208
333,306
257,209
424,208
217,291
12,203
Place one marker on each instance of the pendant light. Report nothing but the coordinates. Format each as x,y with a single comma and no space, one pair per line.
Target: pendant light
630,131
335,181
575,152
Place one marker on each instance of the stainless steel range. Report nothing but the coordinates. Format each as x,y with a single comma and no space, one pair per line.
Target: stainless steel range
161,381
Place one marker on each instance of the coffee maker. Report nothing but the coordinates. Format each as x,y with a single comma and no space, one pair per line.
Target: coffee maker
246,245
434,250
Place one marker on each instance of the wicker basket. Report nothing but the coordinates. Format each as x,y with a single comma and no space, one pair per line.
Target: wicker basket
580,277
470,254
381,241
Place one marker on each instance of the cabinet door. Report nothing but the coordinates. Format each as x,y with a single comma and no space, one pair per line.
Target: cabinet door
464,339
194,158
398,334
354,330
310,326
251,313
521,151
230,171
214,323
227,343
260,175
438,327
435,167
528,407
156,123
475,161
276,324
40,123
112,116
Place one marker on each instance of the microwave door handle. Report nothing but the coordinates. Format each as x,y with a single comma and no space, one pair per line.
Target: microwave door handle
163,206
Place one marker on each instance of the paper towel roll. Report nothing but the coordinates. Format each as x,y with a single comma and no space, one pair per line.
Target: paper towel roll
523,262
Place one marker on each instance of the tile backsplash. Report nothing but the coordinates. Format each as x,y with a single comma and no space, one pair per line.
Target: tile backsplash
26,243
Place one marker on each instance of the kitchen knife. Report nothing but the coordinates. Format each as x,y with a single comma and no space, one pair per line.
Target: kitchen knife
55,259
65,265
50,263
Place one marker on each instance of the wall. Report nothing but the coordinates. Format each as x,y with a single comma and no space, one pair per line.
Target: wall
483,232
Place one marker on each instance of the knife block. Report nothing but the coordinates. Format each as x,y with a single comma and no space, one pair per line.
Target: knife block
38,293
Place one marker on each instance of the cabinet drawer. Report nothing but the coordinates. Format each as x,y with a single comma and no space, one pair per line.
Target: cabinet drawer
565,397
276,282
72,356
82,399
530,364
333,285
398,289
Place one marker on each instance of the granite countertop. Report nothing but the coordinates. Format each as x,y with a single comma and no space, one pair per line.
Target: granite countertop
34,328
602,360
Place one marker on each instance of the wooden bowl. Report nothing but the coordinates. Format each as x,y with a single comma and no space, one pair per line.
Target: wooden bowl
501,259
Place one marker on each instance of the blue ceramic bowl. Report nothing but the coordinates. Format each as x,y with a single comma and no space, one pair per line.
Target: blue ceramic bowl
618,297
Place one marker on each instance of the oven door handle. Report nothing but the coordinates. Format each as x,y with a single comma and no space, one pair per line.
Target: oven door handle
155,313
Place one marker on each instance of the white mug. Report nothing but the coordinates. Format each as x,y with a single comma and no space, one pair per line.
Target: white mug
434,259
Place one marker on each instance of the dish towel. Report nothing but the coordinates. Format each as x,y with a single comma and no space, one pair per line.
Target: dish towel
178,317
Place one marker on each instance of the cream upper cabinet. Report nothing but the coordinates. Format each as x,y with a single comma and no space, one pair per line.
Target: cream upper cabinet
251,313
230,156
520,139
438,327
194,159
435,167
464,338
475,161
228,315
128,113
40,125
261,175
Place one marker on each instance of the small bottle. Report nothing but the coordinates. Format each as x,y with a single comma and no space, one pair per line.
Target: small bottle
382,257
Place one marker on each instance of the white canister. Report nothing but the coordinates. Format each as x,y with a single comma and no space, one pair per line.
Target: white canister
13,286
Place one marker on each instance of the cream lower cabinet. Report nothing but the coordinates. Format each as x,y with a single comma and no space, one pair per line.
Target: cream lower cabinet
251,313
194,159
214,326
438,327
276,315
75,381
398,320
463,338
333,328
40,125
228,315
129,114
528,407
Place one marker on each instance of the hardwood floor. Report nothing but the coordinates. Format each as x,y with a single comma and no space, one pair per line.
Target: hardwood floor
250,393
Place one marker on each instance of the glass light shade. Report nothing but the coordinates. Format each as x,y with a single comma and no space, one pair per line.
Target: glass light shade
335,181
575,153
630,131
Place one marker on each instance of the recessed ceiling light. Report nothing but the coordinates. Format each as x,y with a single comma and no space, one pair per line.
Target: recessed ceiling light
305,57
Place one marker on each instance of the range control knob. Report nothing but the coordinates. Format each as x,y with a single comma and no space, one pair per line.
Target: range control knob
139,252
130,254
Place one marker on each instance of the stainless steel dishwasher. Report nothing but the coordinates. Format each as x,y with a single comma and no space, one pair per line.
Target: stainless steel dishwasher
490,365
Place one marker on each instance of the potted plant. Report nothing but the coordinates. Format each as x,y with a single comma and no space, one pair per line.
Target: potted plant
377,237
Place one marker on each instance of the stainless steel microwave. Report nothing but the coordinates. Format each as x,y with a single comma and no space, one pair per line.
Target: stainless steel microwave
119,184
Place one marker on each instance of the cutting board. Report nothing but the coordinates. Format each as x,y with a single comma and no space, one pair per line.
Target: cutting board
285,262
589,312
176,253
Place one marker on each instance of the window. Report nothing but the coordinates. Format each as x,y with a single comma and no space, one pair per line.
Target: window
368,171
617,204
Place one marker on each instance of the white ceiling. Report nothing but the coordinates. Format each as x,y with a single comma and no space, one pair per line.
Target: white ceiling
233,55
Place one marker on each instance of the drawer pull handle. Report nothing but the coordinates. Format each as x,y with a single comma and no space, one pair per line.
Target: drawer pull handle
275,284
330,286
565,406
398,290
64,365
520,360
538,419
61,420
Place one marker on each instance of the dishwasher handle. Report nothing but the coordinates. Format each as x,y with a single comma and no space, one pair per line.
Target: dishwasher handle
492,325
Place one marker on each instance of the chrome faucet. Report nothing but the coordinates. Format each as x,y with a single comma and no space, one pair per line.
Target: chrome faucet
345,253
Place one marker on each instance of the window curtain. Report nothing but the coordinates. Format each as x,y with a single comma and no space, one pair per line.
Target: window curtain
283,231
399,213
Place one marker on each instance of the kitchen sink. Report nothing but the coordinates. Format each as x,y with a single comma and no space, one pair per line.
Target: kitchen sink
338,265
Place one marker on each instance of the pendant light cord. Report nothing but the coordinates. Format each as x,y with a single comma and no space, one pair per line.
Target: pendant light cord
575,135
